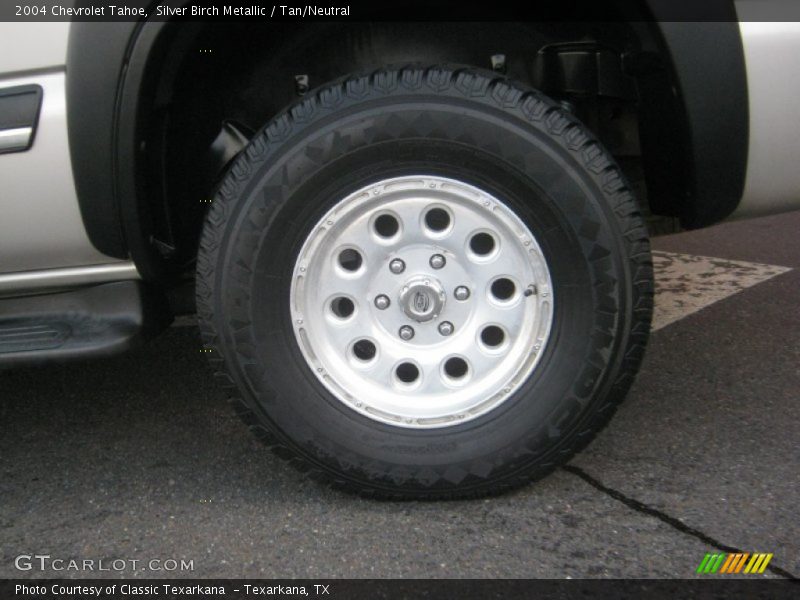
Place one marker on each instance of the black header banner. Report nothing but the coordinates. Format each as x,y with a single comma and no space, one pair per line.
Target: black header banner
399,10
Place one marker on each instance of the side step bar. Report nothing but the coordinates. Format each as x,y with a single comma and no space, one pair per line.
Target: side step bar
86,322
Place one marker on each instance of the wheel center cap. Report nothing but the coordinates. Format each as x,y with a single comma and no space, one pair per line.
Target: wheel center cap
422,298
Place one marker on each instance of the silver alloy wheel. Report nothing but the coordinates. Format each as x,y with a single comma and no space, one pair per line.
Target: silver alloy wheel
429,358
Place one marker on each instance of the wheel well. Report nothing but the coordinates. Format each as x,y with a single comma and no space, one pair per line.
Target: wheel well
203,91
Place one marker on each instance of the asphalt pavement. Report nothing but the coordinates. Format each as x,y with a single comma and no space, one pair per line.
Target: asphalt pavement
138,457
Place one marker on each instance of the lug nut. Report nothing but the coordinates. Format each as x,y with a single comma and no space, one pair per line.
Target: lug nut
382,302
446,328
437,261
397,266
406,332
461,293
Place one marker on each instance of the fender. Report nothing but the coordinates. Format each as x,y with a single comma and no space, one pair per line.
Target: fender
707,61
93,78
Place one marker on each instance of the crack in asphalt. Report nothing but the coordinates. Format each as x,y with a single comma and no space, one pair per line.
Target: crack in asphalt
665,518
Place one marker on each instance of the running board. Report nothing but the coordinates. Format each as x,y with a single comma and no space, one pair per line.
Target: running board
87,322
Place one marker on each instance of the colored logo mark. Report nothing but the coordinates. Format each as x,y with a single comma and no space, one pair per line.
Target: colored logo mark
734,563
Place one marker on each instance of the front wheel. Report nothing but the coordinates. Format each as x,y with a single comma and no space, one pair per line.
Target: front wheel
425,282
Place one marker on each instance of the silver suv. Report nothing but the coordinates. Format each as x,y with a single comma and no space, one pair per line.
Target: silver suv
418,252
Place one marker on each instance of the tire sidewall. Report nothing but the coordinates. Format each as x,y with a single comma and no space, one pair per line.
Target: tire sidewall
526,165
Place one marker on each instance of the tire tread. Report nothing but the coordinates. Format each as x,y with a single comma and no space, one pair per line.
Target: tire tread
471,84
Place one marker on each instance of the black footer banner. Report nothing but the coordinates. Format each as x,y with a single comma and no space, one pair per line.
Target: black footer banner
412,589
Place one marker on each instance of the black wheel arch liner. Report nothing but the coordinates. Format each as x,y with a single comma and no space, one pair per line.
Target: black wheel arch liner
707,64
94,77
103,89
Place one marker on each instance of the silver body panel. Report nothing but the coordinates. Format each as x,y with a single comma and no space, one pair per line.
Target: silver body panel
772,58
26,47
42,227
43,242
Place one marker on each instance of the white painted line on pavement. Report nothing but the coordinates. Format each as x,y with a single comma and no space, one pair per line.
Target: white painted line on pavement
686,283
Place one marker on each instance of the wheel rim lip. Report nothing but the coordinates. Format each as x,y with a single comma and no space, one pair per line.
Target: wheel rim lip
385,197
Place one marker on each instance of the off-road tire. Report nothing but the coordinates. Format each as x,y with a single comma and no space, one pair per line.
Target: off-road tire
461,122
